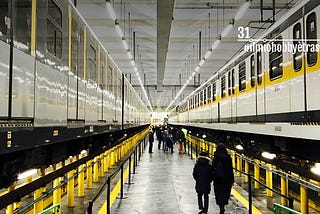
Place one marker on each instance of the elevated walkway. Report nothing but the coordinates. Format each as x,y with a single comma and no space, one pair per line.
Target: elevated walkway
164,185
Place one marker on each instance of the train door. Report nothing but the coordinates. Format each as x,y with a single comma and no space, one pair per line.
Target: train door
297,73
16,60
312,62
73,75
233,95
260,87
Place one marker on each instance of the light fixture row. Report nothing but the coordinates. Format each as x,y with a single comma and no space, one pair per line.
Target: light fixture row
126,47
243,8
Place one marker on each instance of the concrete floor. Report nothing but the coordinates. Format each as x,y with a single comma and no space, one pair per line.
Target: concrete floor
164,185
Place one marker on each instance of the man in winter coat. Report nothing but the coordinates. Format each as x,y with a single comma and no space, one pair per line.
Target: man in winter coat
223,177
151,139
202,173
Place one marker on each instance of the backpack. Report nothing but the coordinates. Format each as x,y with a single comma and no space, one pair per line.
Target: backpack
219,171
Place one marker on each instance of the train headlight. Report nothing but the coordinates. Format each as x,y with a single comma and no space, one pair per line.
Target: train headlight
268,155
316,169
239,147
27,173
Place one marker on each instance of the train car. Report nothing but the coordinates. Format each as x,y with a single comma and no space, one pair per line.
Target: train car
270,93
58,83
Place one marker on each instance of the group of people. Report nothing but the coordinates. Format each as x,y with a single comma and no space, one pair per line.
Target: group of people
166,137
220,172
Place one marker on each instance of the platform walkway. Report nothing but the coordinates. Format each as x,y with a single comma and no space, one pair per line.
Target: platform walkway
164,185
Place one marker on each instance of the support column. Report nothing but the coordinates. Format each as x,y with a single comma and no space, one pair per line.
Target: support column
95,170
257,174
56,193
70,186
81,179
303,199
105,162
284,191
38,207
269,180
101,166
246,169
239,166
89,174
233,159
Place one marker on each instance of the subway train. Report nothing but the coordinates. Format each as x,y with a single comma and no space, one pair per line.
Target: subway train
58,83
264,91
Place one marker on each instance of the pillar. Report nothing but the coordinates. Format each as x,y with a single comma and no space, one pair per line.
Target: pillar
38,207
89,174
81,179
257,174
303,199
96,170
269,180
239,166
70,186
246,169
284,190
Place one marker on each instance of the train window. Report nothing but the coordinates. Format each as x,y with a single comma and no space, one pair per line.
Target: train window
229,83
54,12
209,93
252,73
201,97
242,76
109,75
259,68
74,43
214,92
297,56
232,81
4,20
223,86
205,95
54,30
311,39
92,54
81,53
103,71
275,61
22,25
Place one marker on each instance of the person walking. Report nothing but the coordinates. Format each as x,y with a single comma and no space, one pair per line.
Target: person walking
151,139
202,173
223,177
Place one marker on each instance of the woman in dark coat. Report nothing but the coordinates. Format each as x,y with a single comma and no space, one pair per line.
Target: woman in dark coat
202,173
223,176
151,139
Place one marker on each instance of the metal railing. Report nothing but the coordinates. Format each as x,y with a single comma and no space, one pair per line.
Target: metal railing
54,208
250,179
278,208
136,152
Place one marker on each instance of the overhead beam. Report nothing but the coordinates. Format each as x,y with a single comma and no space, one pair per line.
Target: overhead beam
164,21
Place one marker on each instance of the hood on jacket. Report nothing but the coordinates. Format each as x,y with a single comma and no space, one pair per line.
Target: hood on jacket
203,160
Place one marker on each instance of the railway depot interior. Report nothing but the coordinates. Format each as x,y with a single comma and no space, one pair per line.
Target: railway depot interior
82,83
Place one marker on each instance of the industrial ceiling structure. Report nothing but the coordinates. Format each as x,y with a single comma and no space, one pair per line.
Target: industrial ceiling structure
163,46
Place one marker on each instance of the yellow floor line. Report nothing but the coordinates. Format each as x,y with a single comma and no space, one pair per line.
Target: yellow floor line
115,191
244,201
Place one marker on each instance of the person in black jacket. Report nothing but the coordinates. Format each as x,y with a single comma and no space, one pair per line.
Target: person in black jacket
223,177
151,139
202,173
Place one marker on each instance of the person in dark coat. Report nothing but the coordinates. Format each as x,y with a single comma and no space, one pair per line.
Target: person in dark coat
202,173
151,139
223,177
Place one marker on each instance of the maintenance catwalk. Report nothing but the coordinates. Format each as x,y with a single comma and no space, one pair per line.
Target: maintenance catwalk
164,185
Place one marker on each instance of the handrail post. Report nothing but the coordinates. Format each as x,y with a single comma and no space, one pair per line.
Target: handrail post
191,150
121,180
90,205
129,179
250,193
134,160
108,195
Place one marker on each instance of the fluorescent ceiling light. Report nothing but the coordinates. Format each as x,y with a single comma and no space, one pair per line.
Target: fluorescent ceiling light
196,69
124,44
119,31
243,8
132,63
226,30
111,11
208,54
216,44
201,62
129,55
